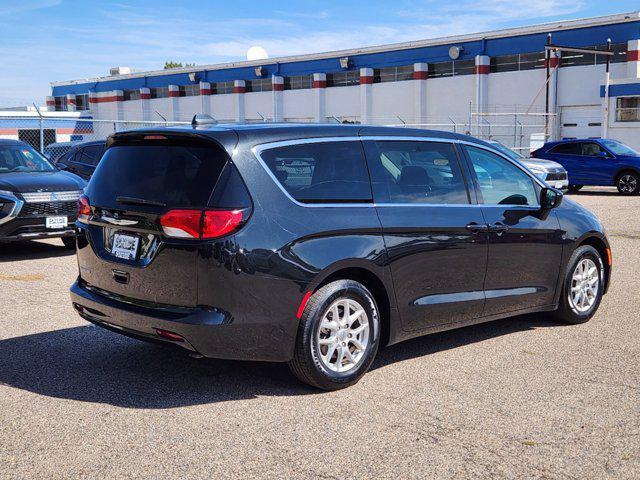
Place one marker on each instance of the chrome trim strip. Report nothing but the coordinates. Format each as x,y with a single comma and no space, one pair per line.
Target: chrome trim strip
45,197
258,149
117,221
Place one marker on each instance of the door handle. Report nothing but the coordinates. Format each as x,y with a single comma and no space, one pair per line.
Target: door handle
498,228
477,228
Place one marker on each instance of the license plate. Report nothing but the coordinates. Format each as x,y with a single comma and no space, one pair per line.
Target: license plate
56,222
125,246
559,185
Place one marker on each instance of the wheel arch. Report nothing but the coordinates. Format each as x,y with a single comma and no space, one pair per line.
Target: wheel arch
623,170
602,246
381,291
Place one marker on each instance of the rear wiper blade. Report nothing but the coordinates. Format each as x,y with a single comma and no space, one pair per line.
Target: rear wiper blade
139,201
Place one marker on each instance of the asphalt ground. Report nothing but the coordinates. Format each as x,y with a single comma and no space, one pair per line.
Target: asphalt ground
524,397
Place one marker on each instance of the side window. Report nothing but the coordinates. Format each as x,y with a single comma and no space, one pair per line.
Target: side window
592,149
567,149
91,155
500,181
416,172
327,172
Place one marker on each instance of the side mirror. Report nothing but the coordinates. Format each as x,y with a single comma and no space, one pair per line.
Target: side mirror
550,198
603,154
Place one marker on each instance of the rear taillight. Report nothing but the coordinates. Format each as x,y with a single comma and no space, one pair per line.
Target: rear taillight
84,208
200,224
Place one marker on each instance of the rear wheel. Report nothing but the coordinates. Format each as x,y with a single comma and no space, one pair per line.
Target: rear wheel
338,336
583,286
69,242
574,188
628,183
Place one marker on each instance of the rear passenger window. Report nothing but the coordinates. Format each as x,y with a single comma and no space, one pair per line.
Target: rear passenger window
417,172
321,172
567,149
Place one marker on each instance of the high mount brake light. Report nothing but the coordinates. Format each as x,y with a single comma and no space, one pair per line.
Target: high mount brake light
200,224
84,208
154,137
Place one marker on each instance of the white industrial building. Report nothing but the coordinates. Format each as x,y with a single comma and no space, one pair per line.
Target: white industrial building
489,84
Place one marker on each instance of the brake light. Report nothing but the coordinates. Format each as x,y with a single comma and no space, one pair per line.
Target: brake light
84,208
217,223
200,224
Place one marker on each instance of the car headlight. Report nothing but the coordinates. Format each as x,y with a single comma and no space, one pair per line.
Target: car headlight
7,193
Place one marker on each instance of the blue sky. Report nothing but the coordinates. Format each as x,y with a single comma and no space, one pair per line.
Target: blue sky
47,40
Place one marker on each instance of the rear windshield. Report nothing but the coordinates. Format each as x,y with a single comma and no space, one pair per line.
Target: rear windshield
177,174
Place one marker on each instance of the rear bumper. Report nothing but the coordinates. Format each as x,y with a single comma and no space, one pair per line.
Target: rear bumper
208,331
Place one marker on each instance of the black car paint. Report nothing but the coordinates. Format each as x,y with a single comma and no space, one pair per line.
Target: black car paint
250,284
26,182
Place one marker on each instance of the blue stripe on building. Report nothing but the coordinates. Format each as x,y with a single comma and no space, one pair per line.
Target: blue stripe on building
579,37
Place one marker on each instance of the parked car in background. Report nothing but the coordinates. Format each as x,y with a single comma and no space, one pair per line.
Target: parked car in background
316,244
548,171
54,150
36,199
596,162
82,159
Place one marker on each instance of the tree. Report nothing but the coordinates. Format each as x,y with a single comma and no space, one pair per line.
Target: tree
171,64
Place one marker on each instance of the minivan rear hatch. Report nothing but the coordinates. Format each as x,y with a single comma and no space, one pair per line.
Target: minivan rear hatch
143,181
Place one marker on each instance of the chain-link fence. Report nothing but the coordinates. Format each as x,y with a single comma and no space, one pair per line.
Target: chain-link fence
53,136
517,128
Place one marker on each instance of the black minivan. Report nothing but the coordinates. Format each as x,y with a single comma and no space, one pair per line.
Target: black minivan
316,244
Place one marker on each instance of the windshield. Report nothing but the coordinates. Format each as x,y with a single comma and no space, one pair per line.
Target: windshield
507,151
22,158
620,148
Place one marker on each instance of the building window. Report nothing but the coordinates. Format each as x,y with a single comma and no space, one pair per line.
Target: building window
60,103
441,69
531,61
628,109
393,74
159,92
464,67
222,87
133,94
189,90
82,102
297,82
259,85
343,79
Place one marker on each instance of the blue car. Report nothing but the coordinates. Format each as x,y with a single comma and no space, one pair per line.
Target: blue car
596,162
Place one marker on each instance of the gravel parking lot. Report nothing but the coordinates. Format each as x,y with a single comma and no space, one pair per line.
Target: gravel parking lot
517,398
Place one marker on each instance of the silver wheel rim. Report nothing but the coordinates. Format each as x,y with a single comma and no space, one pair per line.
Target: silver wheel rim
585,284
628,183
343,335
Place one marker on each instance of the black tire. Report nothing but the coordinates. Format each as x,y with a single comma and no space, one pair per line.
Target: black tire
566,312
574,188
69,242
628,183
307,364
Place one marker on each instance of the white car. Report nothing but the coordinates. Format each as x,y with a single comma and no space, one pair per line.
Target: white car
548,171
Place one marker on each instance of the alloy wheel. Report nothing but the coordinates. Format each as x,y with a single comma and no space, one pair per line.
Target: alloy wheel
627,183
585,286
343,335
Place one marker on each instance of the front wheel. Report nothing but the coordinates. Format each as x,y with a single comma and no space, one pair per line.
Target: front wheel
583,286
337,337
628,183
574,188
